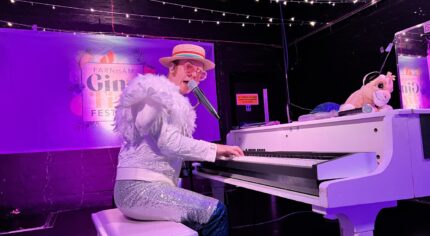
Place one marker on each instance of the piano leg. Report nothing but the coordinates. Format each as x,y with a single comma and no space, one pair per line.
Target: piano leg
218,190
358,220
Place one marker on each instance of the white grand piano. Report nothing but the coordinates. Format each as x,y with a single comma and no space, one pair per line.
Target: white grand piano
348,168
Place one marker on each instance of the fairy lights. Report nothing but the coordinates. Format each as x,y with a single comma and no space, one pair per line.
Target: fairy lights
255,20
235,14
101,34
220,17
331,2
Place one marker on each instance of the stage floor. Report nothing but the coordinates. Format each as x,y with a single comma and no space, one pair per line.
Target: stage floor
253,213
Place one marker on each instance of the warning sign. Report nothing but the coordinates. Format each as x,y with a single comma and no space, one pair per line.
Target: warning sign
247,99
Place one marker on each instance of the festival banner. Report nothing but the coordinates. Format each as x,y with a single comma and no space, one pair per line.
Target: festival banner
62,88
414,81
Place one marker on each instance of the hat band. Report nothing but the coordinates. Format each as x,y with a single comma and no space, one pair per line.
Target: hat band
189,54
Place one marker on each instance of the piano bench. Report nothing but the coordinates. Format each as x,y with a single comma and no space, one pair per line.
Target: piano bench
112,222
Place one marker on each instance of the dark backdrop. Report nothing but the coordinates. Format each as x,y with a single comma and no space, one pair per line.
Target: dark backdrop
330,65
326,66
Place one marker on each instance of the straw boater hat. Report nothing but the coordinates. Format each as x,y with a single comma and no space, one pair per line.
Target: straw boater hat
188,52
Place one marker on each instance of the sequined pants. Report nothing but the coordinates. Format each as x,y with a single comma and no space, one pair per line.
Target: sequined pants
143,200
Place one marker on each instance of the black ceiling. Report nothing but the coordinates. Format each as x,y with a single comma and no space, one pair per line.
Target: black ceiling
173,18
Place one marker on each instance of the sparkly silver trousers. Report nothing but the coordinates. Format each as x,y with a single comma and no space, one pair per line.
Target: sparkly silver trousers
143,200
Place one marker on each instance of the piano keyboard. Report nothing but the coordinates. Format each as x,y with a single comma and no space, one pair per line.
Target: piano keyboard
305,159
297,171
275,161
300,155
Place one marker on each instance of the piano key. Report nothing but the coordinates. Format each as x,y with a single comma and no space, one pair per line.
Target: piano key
284,154
275,161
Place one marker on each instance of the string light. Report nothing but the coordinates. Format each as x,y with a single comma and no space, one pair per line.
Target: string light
211,10
136,35
127,15
332,2
331,23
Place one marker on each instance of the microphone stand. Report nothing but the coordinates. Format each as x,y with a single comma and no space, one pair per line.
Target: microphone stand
285,53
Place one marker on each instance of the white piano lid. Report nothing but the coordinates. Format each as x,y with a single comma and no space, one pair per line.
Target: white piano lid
337,119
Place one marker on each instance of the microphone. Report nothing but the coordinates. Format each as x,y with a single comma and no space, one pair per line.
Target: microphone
192,85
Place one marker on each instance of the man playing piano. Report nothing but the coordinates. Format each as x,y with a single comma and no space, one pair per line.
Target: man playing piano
156,121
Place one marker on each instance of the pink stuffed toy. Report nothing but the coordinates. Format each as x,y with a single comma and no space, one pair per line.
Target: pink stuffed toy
375,93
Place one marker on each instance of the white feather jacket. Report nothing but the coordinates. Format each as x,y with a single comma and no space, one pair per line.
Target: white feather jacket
157,123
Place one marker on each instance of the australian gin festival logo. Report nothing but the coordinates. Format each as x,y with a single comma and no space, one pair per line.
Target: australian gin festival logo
103,85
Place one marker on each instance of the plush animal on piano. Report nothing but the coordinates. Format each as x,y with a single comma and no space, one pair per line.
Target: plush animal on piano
375,93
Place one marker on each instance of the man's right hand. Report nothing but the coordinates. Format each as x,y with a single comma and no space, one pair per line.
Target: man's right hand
229,151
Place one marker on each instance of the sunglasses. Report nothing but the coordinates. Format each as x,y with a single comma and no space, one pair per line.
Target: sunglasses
195,71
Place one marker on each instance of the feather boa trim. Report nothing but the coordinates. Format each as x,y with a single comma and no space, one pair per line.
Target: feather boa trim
176,108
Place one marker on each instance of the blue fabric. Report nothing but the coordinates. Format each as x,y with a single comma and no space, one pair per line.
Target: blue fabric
217,224
326,107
